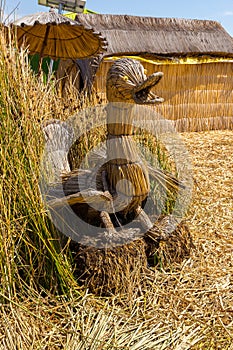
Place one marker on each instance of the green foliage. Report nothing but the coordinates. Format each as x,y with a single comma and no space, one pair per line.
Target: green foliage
31,252
156,154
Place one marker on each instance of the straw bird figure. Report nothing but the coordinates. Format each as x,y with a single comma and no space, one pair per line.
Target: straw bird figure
122,183
116,238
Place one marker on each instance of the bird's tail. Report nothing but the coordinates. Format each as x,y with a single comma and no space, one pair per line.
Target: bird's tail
58,140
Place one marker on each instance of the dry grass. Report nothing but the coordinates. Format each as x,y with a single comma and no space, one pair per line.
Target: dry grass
211,221
188,305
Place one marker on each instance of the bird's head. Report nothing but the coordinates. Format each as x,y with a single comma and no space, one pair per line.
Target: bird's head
127,82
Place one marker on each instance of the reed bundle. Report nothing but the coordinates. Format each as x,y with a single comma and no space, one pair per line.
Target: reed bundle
111,271
121,270
120,119
122,147
130,181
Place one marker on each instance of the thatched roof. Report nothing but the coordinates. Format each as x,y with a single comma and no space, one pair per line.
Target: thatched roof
51,34
160,36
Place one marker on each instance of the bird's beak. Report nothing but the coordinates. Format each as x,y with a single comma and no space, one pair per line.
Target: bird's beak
142,94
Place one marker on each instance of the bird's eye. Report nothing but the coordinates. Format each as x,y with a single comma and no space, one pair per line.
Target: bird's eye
125,78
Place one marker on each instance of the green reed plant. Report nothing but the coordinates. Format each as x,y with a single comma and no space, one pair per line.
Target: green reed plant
31,252
155,153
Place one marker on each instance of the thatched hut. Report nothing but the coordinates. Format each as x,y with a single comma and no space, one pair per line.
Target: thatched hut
196,57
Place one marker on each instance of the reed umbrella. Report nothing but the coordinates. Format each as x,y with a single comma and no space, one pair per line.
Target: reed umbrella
53,35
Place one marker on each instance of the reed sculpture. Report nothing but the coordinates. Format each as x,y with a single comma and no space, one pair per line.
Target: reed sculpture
122,181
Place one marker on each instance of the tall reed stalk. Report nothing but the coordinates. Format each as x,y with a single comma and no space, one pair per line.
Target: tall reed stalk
31,253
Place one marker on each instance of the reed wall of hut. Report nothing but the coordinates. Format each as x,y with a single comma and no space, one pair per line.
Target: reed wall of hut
198,95
196,57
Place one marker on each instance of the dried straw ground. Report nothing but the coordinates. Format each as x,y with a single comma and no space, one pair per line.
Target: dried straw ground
188,306
207,292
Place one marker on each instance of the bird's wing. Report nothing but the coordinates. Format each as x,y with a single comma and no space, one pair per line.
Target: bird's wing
169,181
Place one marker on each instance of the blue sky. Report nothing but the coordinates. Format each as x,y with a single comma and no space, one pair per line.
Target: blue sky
219,10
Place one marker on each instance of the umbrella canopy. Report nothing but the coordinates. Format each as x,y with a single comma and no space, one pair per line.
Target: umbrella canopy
56,36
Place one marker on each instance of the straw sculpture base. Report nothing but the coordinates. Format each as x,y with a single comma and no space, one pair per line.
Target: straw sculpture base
122,270
116,203
111,271
168,242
